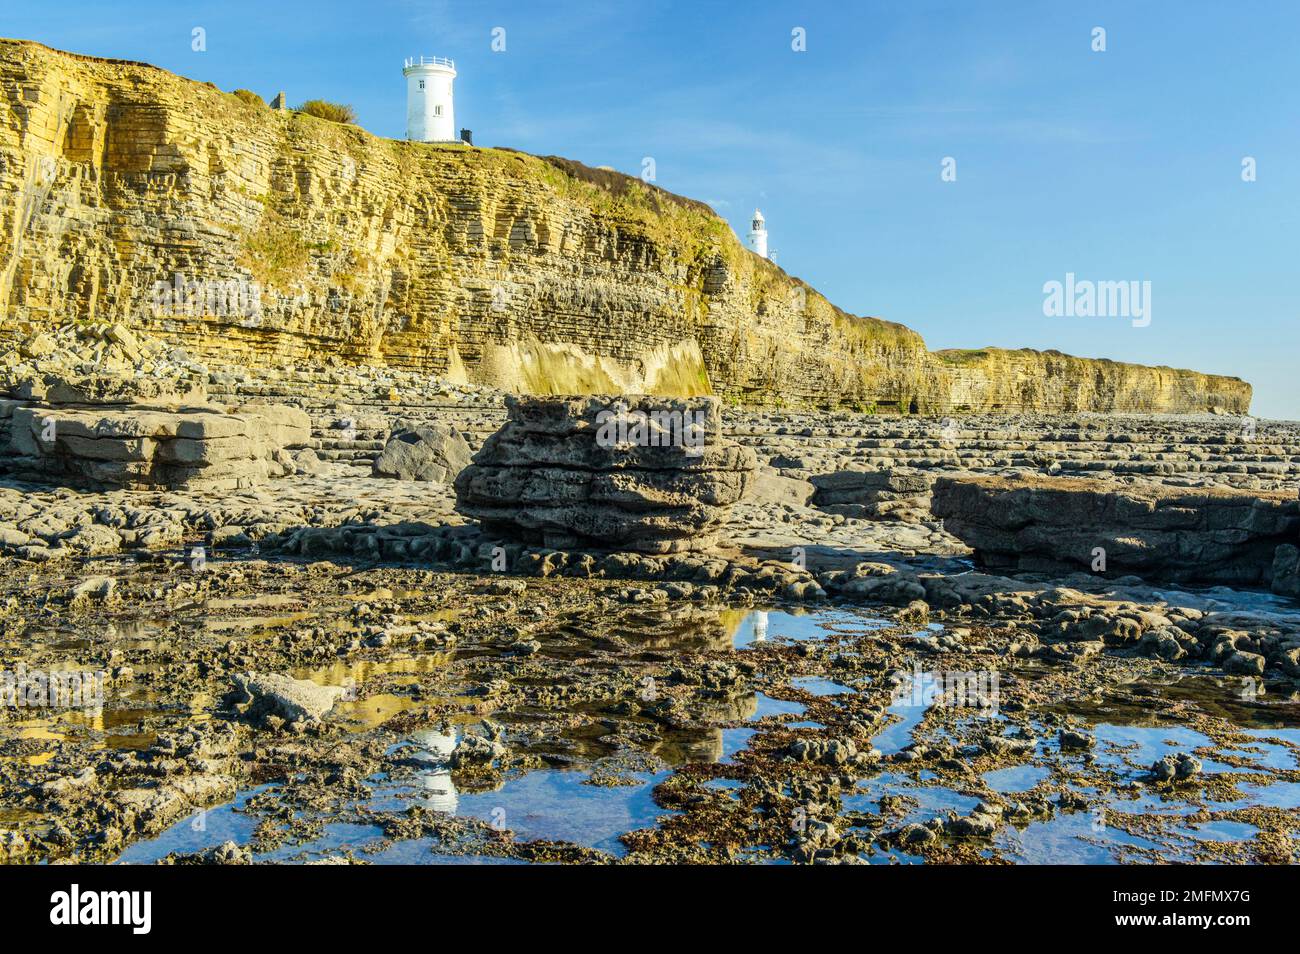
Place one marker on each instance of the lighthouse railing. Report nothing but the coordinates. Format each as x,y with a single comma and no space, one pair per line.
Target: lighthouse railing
430,61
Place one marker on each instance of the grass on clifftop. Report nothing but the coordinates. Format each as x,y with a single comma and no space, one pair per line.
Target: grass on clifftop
962,355
621,185
876,332
334,112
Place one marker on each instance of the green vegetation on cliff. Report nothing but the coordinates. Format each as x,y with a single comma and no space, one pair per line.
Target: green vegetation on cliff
333,112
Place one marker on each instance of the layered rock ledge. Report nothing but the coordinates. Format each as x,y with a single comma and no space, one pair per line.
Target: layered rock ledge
893,492
1187,535
200,446
550,476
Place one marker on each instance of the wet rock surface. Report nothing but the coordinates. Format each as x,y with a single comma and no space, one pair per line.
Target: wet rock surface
708,729
821,685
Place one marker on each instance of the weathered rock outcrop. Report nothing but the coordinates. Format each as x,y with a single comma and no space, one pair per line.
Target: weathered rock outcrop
550,476
262,696
270,237
1286,570
204,446
434,452
1186,535
893,492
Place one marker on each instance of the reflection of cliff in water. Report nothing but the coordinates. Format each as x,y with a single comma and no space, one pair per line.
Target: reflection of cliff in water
680,745
688,629
606,729
701,629
626,727
675,746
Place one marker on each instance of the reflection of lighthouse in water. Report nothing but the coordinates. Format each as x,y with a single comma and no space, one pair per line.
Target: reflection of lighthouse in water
760,626
437,783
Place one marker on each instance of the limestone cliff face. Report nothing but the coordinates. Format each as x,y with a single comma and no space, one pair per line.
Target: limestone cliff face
994,379
537,275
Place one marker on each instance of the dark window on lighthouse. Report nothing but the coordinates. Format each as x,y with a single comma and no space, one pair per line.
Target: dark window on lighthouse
421,84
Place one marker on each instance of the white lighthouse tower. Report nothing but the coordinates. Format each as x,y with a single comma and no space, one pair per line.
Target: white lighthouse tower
429,112
758,234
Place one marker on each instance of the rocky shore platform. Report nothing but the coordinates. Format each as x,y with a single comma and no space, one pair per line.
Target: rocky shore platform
450,624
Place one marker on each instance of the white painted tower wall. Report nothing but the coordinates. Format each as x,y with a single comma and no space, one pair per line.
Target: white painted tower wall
430,113
758,234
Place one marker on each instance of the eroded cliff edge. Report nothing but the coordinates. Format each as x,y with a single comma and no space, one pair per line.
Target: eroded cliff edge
533,274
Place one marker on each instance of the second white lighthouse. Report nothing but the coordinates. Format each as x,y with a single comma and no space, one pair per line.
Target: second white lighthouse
430,116
758,234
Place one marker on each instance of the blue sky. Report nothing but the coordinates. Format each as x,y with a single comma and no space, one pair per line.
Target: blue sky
1118,165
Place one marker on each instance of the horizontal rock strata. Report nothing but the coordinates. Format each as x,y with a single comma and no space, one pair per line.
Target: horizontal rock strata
138,198
142,446
1202,535
548,477
888,493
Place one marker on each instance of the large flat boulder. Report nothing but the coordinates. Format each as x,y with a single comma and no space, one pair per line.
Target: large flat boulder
145,445
769,486
889,493
1160,532
562,473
